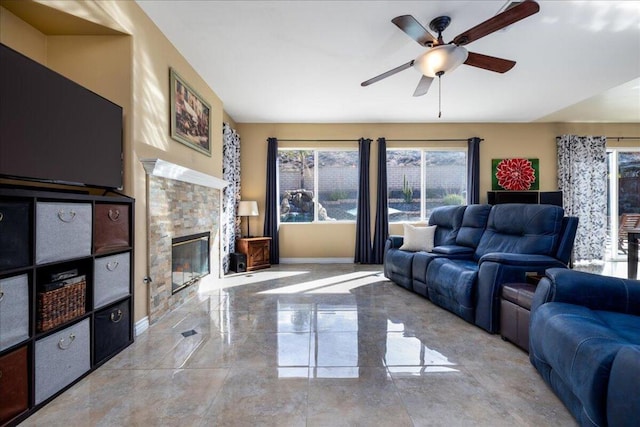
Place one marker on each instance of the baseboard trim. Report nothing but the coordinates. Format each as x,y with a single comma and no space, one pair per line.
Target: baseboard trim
316,260
142,325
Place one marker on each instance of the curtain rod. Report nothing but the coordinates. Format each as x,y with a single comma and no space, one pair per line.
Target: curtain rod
431,140
388,140
317,140
622,138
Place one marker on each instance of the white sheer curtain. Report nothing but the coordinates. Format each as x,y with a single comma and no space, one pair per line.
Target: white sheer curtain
582,177
231,173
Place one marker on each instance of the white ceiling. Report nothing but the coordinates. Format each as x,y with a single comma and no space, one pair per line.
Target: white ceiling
303,61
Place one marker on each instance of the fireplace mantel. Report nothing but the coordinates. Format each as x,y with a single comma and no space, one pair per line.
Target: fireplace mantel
164,169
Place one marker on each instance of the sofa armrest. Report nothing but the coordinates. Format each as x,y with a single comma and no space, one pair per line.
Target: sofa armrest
590,290
394,241
539,262
494,270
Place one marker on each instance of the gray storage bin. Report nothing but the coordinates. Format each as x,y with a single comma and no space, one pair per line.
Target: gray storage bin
61,358
63,231
14,310
111,279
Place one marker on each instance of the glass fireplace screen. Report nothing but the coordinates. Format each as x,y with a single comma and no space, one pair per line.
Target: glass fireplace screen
189,259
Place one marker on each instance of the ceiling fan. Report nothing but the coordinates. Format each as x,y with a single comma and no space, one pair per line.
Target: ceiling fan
443,57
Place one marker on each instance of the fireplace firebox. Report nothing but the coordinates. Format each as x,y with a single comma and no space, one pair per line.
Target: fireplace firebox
189,260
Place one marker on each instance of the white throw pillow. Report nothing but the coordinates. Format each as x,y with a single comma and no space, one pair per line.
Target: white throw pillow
418,238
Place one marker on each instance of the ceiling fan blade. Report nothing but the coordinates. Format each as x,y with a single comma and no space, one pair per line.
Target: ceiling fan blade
423,86
490,63
388,73
498,22
415,30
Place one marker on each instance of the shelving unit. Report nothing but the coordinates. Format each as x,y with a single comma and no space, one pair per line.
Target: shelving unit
66,292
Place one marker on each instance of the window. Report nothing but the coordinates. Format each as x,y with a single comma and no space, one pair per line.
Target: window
420,180
318,185
623,170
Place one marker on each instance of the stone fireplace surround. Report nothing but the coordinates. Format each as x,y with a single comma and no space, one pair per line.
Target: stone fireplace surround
180,201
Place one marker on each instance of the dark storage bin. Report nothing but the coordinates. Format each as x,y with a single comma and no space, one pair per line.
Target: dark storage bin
14,384
14,310
15,238
110,228
111,331
61,358
63,231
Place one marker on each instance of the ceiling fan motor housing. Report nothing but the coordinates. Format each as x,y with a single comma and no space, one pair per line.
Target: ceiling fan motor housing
439,24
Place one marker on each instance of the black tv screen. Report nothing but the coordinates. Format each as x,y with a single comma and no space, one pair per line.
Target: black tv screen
54,130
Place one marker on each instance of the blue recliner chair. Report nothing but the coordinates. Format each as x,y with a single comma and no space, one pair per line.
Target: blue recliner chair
584,339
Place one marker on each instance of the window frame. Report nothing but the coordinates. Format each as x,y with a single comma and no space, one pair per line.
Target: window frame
316,170
423,176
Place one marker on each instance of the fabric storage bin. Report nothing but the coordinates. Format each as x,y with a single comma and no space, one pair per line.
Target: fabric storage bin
111,330
110,227
61,358
111,278
63,231
14,310
15,238
14,384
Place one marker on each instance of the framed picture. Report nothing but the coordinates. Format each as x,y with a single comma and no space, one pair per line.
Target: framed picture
190,116
515,174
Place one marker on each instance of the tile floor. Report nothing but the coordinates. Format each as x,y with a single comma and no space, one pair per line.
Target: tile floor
311,345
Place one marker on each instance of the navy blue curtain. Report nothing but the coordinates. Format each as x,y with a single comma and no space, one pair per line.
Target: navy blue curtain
271,202
381,231
363,217
473,171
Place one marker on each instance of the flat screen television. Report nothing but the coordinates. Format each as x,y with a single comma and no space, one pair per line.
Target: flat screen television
54,130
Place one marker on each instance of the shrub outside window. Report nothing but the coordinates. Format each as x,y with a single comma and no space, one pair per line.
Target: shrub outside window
318,185
420,180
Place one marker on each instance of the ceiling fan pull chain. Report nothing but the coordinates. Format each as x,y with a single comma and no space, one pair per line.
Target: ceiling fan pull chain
439,95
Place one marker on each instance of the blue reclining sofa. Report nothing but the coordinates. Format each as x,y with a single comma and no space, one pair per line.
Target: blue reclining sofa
478,248
584,339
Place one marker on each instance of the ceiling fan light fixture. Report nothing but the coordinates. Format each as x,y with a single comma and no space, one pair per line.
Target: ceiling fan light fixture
441,59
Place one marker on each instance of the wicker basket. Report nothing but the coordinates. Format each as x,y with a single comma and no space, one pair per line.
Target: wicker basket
61,305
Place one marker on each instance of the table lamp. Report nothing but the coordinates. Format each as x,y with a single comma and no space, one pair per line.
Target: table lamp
247,208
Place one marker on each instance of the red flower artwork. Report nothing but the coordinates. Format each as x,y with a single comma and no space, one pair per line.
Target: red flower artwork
515,174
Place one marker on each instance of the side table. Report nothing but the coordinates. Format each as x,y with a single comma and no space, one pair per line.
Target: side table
515,307
257,251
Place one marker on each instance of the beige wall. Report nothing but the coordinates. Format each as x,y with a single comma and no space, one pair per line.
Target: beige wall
336,240
22,37
131,70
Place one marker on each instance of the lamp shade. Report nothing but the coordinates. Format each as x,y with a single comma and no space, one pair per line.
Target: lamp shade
248,208
443,58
